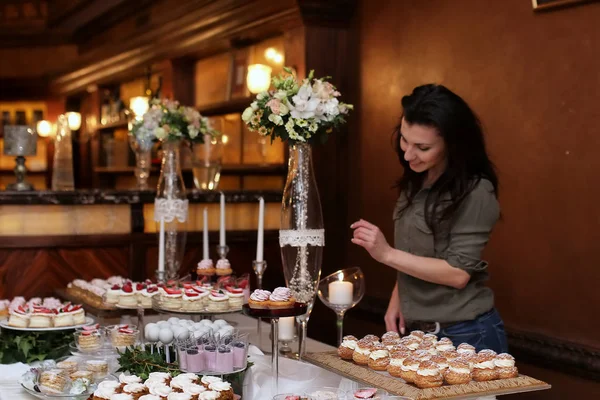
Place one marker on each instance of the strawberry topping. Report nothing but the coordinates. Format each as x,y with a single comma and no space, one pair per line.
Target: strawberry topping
365,393
172,291
127,289
139,286
115,287
243,283
152,289
125,330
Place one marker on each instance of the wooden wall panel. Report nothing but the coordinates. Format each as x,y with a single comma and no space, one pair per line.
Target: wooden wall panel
36,272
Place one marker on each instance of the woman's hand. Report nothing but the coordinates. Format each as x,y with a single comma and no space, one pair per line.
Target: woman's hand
394,320
370,237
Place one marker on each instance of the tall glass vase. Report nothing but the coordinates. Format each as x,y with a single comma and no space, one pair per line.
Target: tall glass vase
143,160
302,234
170,213
206,162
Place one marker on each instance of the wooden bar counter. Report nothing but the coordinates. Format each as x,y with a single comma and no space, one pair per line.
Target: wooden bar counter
48,238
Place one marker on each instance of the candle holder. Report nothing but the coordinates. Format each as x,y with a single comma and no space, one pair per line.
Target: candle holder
259,268
161,276
336,293
19,141
222,251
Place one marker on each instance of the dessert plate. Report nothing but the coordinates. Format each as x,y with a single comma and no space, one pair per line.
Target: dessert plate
208,313
4,324
272,313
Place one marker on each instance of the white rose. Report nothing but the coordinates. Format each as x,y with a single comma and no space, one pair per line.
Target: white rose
283,109
160,133
280,95
261,95
192,131
276,119
247,114
254,105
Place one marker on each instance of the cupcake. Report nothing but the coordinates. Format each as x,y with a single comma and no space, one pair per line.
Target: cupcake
281,297
161,390
465,348
484,368
179,396
209,395
194,390
223,388
505,365
379,358
259,299
106,390
150,397
122,396
397,358
412,342
428,375
223,267
206,268
389,339
347,347
136,390
362,351
206,380
408,370
458,372
444,344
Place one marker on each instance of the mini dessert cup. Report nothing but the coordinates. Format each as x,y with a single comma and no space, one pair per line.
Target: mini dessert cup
224,361
240,351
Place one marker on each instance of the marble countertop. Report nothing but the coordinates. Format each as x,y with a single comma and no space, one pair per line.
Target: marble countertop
109,196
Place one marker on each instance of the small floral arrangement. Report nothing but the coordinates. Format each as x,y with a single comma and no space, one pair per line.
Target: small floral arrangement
166,120
298,113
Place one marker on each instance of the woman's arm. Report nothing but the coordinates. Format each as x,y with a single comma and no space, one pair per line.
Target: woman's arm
394,320
428,269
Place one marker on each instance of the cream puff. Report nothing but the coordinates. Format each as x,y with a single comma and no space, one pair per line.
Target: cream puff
417,334
484,368
440,361
412,342
458,373
399,346
397,358
409,369
371,338
428,375
465,348
505,365
347,347
379,358
449,354
430,337
444,344
389,339
428,346
422,355
362,351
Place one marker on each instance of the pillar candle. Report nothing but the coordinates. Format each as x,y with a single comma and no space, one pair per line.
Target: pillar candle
340,292
261,228
205,236
287,329
161,246
222,222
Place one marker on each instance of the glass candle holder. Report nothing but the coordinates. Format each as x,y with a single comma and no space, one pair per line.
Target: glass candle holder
341,291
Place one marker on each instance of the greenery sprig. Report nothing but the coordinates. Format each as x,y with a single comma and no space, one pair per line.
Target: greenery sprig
27,347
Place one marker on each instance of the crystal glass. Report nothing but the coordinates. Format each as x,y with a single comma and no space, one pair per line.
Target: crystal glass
62,167
206,162
143,160
341,291
302,234
171,211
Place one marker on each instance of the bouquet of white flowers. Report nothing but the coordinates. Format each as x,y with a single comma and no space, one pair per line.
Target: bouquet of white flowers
294,112
166,120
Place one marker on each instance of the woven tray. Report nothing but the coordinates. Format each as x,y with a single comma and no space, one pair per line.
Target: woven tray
332,362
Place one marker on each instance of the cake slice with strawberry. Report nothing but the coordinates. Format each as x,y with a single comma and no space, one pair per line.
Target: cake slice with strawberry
218,301
171,298
112,294
19,317
128,297
146,295
41,317
192,301
236,297
76,310
63,317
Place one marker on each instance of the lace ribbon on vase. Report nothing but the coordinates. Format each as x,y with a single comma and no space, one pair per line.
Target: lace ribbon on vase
302,238
170,209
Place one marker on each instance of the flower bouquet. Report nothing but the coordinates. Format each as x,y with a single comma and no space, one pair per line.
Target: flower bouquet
303,112
166,120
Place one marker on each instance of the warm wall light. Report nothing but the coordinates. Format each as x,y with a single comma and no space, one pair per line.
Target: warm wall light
74,119
139,105
273,55
225,139
259,78
44,128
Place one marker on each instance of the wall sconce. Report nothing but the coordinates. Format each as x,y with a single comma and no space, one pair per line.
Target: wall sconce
44,128
273,55
259,78
139,105
74,120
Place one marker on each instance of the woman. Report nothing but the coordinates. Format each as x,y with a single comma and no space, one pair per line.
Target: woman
442,221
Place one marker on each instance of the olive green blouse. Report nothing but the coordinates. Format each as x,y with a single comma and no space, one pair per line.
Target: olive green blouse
460,243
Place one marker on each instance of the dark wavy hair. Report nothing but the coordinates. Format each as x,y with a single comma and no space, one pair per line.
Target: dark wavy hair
467,160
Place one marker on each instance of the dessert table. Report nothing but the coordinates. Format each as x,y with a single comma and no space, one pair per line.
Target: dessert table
294,376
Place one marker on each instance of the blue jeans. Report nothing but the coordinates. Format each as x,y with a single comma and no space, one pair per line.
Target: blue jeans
484,332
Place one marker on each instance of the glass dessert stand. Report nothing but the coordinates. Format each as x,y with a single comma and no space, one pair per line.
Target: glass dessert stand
274,315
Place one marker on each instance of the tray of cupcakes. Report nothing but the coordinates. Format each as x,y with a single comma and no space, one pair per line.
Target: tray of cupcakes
201,297
162,385
40,316
421,366
277,304
67,378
